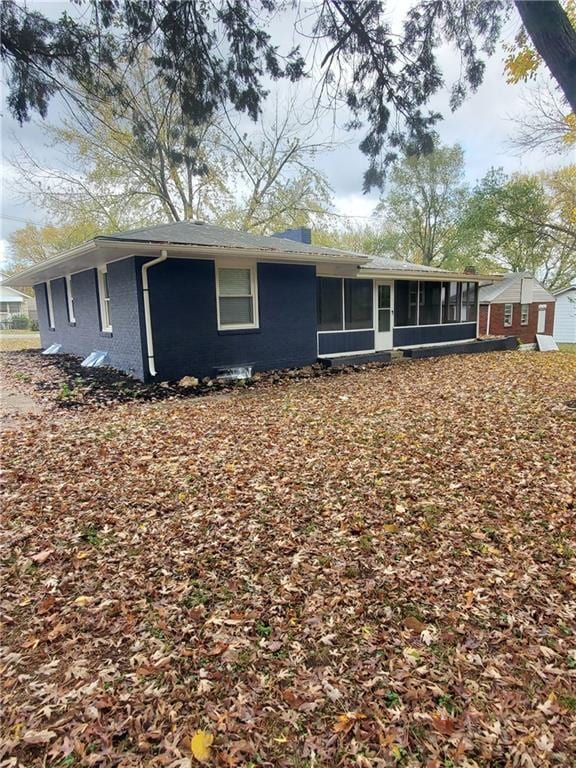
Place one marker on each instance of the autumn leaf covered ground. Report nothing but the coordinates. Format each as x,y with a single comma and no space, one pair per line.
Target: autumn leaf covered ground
372,569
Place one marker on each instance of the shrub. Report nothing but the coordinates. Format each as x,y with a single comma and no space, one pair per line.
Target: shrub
20,323
34,325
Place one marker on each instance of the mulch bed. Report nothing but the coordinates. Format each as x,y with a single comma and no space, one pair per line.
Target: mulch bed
62,380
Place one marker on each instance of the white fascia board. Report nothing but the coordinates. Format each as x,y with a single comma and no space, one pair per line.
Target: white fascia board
51,268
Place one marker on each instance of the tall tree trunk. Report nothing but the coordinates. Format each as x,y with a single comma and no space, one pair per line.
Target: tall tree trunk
554,38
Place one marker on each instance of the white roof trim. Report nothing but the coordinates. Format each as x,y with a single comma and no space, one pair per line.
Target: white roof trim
564,290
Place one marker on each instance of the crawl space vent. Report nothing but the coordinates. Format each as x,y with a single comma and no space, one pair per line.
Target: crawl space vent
95,359
53,349
236,373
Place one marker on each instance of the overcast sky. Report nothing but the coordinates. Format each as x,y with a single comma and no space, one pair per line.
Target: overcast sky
482,126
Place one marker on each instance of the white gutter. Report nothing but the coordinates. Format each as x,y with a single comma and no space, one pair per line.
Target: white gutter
147,313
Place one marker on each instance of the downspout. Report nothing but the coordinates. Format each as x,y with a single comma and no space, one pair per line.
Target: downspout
147,313
488,318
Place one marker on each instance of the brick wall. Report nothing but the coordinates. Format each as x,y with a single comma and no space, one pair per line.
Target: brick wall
186,335
525,333
125,344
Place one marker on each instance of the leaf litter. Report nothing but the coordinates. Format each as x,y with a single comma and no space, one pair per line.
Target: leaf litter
375,569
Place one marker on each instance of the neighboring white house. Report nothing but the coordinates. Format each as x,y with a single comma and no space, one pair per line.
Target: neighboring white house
565,320
13,302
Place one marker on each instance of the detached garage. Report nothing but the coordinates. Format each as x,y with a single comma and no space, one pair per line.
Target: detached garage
565,319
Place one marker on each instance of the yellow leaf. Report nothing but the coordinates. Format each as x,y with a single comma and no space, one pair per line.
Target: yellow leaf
200,745
346,720
83,600
397,751
390,528
570,136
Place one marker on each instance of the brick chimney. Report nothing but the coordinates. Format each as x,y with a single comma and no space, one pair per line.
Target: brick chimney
298,234
469,270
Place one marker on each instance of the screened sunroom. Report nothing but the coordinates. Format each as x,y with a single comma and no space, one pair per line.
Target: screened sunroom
357,315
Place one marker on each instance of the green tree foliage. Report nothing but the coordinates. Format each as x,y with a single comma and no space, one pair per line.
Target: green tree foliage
526,223
519,223
366,238
211,54
33,244
422,212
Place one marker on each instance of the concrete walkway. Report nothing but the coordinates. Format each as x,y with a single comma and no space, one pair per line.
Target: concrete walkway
15,405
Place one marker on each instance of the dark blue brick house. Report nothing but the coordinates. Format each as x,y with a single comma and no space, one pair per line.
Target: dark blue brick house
192,298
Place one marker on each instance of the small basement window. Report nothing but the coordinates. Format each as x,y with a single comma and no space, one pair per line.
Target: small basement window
104,297
508,314
236,289
70,299
524,313
50,305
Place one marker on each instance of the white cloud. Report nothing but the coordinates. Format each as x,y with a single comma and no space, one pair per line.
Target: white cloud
355,205
4,247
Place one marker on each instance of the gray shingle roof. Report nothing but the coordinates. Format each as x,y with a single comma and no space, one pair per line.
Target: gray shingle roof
488,293
509,289
204,237
213,236
565,290
396,265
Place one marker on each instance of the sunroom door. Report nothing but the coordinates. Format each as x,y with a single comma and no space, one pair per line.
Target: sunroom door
384,308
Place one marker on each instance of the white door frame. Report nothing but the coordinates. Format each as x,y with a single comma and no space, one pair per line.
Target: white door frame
383,339
541,327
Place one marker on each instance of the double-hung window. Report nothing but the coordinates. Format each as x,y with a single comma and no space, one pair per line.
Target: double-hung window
50,305
524,311
70,299
236,289
104,296
508,314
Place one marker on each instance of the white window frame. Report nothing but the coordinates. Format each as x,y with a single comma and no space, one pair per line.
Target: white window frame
508,322
251,266
105,317
50,305
70,299
524,314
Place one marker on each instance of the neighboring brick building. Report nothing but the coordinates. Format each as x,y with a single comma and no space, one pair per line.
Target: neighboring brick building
517,306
